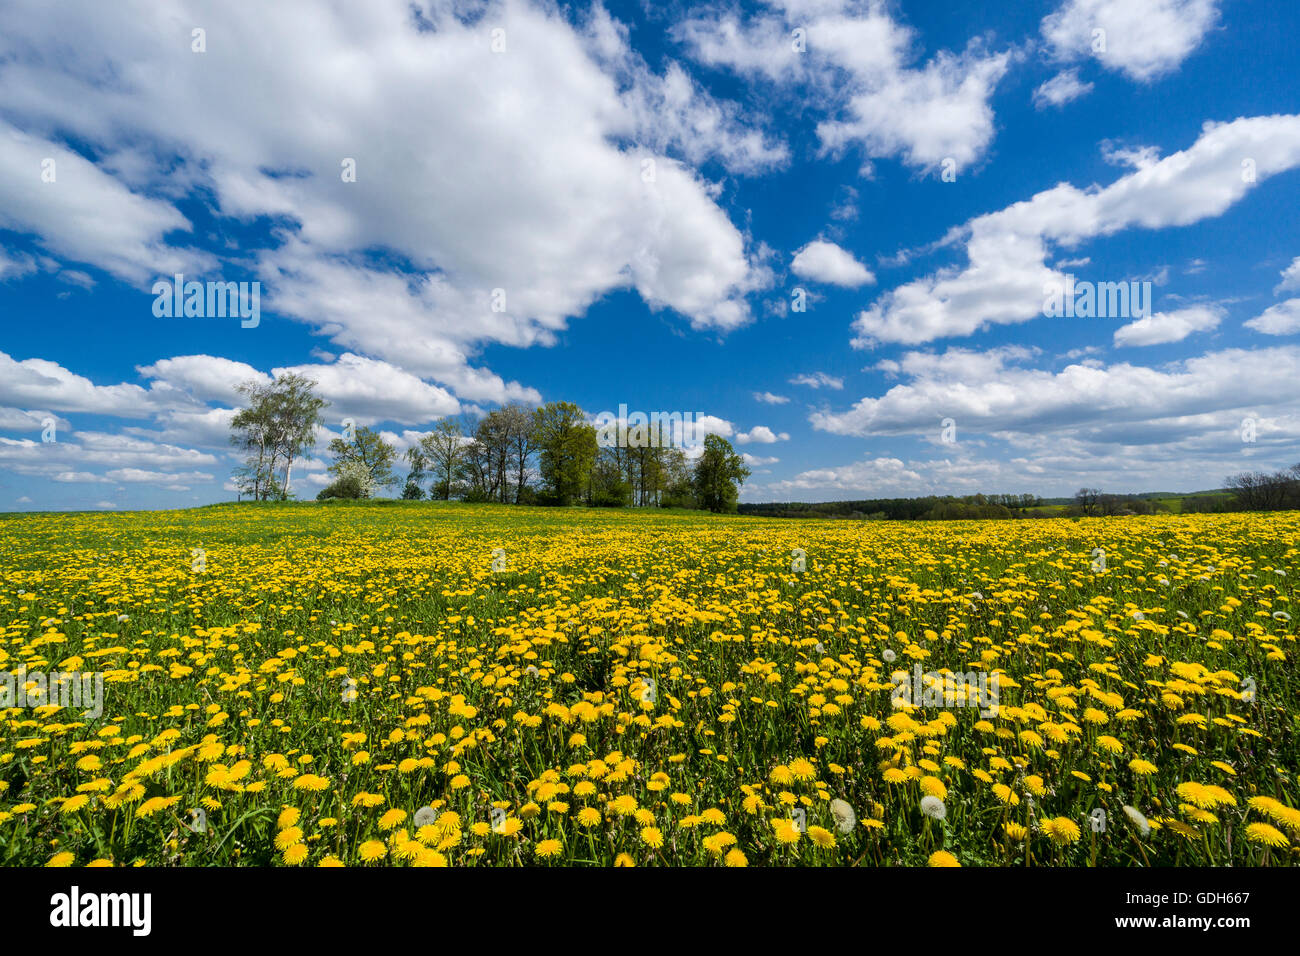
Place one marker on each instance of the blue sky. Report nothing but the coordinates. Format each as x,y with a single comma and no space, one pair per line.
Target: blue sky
651,186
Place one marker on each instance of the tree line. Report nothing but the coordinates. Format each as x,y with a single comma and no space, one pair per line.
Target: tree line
927,508
1257,491
550,455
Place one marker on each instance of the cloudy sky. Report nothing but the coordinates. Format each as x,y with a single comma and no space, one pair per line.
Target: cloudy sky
828,226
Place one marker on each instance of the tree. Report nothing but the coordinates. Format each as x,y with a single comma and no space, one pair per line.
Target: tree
474,473
444,448
1088,501
495,442
415,477
718,474
251,432
354,481
1260,491
679,488
609,485
519,429
567,450
278,426
368,449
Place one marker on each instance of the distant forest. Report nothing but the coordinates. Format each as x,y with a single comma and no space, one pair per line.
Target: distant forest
1245,493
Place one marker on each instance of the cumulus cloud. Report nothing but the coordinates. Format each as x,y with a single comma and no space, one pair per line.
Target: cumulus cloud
179,421
768,398
1006,274
1163,327
123,458
84,214
994,393
1290,277
1123,427
371,391
49,385
1063,88
1143,39
202,377
822,261
762,435
855,57
509,191
1280,319
868,476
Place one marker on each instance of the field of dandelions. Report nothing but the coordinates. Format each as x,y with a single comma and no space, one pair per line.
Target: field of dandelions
449,685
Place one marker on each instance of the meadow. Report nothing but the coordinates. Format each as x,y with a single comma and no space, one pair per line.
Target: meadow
384,683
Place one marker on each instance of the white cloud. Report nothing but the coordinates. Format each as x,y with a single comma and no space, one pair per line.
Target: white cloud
1143,39
989,393
1005,279
1121,427
926,116
124,458
857,61
758,461
476,171
17,419
15,265
818,380
762,435
1132,157
823,261
1280,319
142,476
85,214
367,390
1175,326
672,114
1063,88
868,477
709,424
768,398
1290,277
47,384
202,377
372,391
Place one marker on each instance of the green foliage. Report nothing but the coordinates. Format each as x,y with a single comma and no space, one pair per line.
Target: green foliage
278,426
567,447
366,451
718,475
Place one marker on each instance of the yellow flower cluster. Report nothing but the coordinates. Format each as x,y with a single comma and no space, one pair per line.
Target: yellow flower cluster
357,685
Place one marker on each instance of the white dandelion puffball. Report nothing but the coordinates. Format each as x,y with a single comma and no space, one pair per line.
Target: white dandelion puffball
1139,821
845,818
888,656
933,807
425,816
